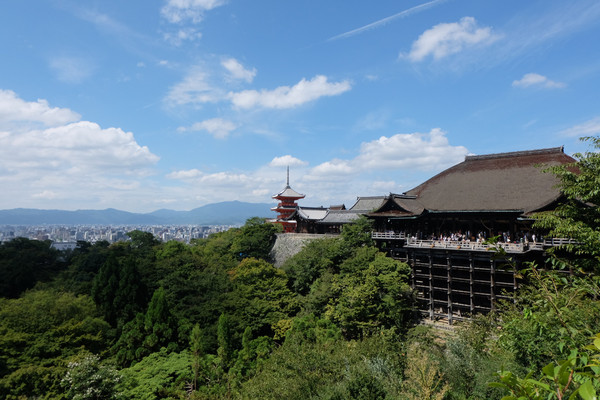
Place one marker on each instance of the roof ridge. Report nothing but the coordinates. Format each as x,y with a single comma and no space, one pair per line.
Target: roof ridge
549,150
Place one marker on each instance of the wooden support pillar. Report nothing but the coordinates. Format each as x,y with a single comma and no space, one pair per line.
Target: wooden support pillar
413,278
516,268
431,303
449,285
471,284
492,284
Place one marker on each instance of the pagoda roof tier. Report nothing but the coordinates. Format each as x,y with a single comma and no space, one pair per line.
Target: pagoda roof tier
288,193
287,208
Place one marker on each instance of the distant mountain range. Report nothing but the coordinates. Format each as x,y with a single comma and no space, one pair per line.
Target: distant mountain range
224,213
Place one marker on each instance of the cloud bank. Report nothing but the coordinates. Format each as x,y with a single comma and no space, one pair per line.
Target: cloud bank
47,152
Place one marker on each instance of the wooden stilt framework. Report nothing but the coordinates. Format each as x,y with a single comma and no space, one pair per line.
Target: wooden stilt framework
454,285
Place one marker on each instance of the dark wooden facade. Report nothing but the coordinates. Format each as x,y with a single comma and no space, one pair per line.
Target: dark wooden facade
439,229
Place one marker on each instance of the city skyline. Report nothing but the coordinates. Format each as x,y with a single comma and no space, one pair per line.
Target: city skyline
171,104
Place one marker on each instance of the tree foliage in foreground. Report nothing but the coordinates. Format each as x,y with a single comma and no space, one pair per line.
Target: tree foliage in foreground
39,333
578,217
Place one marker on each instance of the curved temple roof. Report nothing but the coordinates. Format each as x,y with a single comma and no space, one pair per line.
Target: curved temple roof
493,182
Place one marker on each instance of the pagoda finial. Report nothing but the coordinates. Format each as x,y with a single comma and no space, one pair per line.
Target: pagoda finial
288,176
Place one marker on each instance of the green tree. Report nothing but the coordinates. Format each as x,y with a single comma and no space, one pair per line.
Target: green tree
118,290
316,258
24,262
252,354
255,239
578,217
196,348
39,333
160,375
198,296
89,379
424,380
260,296
312,364
376,297
159,323
577,376
554,313
358,233
142,240
225,341
149,332
364,386
84,263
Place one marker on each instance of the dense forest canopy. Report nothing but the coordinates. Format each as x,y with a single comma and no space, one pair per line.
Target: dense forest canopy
215,319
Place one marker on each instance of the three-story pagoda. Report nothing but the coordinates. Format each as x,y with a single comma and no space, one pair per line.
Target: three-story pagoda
287,205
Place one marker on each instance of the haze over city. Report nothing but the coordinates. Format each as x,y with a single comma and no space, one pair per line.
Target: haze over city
176,104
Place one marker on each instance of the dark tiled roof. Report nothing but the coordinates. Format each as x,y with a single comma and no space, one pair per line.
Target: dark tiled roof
366,204
504,181
399,205
339,217
311,213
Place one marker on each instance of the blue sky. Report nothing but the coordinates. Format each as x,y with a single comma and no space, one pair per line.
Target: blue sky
140,105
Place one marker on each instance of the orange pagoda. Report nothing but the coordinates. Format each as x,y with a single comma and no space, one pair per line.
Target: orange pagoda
287,205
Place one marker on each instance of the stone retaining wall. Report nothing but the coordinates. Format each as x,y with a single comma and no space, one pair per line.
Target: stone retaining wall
288,244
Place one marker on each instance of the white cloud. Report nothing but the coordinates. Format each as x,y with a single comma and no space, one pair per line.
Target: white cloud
185,174
537,80
237,71
588,128
181,36
177,11
78,146
195,88
287,161
426,152
414,151
50,155
46,194
16,110
449,38
71,69
218,127
289,97
216,179
333,169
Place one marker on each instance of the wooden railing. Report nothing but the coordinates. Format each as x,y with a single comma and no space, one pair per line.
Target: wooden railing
472,246
553,242
387,235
